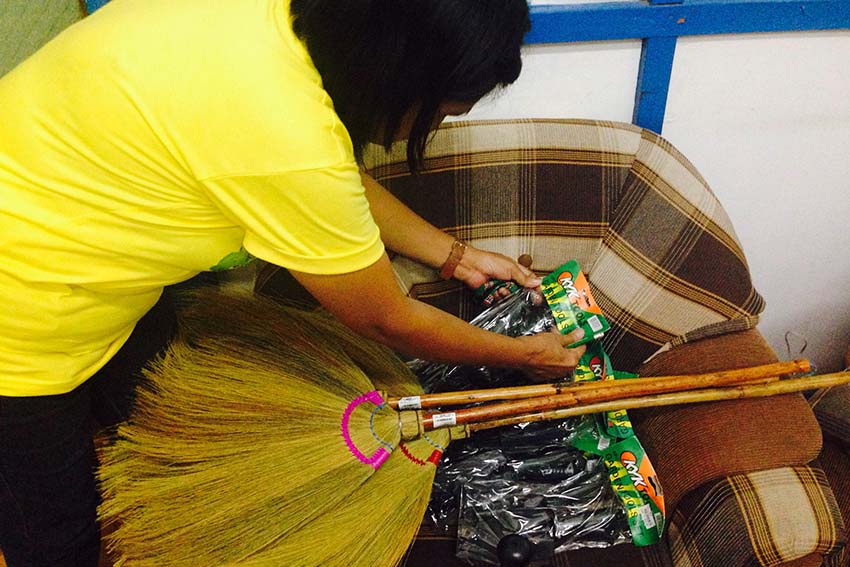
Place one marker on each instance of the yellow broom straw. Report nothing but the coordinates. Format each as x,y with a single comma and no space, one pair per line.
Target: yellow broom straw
587,390
375,524
237,440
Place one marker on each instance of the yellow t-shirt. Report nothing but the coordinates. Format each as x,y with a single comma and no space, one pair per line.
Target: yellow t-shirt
150,142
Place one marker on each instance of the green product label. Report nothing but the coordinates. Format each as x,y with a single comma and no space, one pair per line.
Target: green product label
596,365
593,364
632,478
617,422
636,485
560,305
610,435
567,292
590,437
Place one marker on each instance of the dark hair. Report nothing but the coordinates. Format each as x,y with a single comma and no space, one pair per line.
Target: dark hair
380,59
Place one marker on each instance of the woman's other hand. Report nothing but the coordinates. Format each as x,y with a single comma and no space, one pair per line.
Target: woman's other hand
550,359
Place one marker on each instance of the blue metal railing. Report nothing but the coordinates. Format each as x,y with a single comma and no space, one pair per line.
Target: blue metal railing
660,22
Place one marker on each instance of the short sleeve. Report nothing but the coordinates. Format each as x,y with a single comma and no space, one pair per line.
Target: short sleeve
315,221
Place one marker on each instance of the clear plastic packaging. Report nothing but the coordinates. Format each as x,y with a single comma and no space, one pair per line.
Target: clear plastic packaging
579,511
508,453
527,479
522,313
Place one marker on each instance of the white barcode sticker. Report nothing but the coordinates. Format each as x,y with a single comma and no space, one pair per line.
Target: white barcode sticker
444,419
595,324
647,516
410,402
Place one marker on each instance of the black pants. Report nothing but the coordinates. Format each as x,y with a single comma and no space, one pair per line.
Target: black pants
48,492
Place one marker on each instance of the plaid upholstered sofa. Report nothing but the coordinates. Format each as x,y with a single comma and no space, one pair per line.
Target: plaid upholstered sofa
742,479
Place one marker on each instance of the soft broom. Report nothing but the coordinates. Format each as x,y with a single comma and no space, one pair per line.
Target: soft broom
236,442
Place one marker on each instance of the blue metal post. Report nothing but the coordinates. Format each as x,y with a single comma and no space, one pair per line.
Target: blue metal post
654,73
92,5
653,83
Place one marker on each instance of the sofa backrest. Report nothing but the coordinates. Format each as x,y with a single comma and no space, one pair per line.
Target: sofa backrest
659,250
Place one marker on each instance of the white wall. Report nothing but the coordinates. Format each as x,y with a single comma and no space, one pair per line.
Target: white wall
766,120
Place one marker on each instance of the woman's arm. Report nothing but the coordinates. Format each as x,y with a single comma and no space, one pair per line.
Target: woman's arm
404,231
410,235
370,302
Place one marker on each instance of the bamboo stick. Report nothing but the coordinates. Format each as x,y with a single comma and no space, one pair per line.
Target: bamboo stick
726,377
596,392
676,398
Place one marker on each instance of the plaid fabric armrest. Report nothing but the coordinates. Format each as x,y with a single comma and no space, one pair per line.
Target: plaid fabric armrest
694,444
764,518
833,413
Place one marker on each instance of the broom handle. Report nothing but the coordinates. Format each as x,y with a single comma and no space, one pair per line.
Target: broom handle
675,398
596,392
725,377
544,403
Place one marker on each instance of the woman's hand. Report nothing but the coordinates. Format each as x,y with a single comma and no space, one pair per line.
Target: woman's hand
477,267
550,358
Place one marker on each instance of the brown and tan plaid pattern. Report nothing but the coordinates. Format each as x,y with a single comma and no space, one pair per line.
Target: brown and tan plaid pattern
835,461
762,518
660,251
664,263
691,445
833,412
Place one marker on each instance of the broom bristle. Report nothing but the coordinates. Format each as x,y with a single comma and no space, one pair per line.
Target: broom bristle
375,525
377,361
236,442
